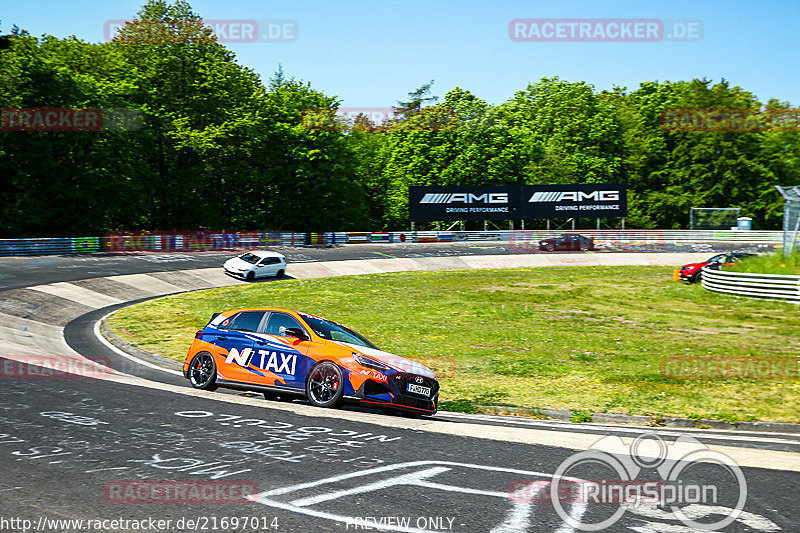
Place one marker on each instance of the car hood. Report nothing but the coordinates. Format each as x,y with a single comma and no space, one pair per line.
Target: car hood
694,265
395,361
238,264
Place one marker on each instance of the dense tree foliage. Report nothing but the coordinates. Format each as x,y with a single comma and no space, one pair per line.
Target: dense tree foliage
217,147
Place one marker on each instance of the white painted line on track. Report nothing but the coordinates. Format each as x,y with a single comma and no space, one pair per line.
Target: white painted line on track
600,428
518,519
127,355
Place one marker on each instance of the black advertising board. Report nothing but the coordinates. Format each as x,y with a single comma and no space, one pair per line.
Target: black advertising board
427,204
588,200
516,202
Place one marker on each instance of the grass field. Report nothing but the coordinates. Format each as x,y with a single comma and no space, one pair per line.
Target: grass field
587,338
774,263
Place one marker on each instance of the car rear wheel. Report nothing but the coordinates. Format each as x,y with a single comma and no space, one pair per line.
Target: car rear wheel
280,274
325,385
203,371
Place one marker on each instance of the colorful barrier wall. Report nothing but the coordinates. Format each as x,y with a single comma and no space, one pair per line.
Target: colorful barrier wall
519,241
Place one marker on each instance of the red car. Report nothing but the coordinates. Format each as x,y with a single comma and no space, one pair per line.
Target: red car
692,271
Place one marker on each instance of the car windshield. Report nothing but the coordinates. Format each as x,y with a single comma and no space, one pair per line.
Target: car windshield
336,332
716,258
250,258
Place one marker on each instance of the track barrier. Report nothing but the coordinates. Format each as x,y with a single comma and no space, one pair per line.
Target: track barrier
770,286
521,241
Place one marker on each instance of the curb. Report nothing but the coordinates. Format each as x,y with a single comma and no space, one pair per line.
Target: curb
130,349
639,420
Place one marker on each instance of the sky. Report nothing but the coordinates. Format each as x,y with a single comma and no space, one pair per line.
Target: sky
371,53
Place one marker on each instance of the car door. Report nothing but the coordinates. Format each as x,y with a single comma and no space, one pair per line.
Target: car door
263,268
273,264
237,342
287,358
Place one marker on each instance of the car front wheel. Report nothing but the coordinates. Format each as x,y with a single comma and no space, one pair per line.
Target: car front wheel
550,247
585,246
696,277
250,276
203,371
325,385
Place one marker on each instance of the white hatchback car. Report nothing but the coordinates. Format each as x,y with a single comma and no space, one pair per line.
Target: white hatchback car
256,264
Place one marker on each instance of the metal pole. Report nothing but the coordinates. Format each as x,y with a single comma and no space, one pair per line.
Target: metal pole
573,223
548,223
485,225
623,222
412,225
598,223
794,233
523,224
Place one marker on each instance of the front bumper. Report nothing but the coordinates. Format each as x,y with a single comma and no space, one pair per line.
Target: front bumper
393,394
234,273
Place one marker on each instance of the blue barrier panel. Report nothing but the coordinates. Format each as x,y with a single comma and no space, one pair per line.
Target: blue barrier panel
37,246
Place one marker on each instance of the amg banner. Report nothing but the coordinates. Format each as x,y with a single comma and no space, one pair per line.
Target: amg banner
427,204
588,200
517,202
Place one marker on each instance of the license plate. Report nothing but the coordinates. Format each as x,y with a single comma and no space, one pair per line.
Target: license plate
419,389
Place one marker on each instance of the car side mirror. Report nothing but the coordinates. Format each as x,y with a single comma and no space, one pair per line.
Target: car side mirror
298,333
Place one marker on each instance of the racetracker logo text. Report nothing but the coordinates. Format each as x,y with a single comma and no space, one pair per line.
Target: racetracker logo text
604,30
465,198
172,492
574,196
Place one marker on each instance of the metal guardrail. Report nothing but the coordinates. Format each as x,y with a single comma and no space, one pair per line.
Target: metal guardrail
186,241
771,286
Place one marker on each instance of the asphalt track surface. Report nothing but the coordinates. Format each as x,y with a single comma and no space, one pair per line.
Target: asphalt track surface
24,271
74,448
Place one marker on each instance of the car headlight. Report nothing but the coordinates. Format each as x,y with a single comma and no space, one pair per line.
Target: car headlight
369,362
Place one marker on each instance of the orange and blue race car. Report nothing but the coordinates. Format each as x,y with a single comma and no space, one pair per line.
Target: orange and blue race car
288,354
